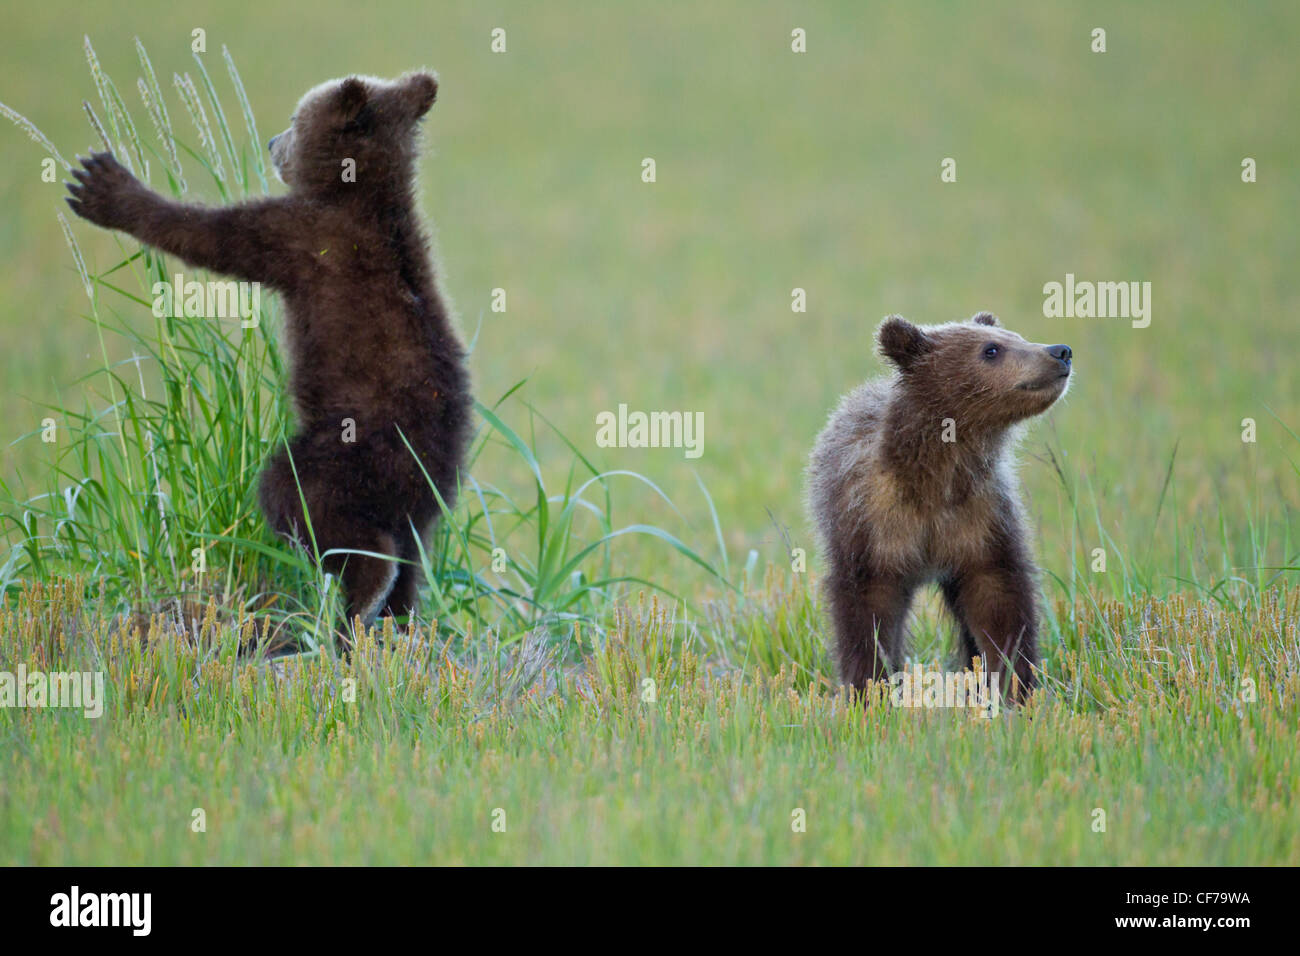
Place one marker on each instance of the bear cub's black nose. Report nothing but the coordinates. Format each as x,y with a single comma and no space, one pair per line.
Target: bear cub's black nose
1060,352
270,144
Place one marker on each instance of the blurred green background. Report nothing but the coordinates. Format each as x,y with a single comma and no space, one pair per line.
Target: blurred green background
779,170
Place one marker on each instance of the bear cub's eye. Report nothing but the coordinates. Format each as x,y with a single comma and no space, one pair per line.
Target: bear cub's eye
991,351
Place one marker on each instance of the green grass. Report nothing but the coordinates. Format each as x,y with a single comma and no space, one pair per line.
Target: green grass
523,689
1148,725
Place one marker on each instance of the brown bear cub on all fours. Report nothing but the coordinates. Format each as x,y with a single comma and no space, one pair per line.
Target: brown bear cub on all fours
912,481
369,336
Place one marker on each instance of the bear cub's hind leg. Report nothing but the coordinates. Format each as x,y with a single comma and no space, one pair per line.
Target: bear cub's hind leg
967,647
367,581
402,599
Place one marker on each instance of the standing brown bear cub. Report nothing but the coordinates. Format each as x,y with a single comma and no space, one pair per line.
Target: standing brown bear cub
373,354
912,481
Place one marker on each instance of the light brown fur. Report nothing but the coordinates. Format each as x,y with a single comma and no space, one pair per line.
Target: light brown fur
896,505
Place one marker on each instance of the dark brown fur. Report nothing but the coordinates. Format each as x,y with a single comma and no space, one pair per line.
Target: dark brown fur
896,506
368,333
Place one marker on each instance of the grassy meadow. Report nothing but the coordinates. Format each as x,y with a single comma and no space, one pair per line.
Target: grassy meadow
513,723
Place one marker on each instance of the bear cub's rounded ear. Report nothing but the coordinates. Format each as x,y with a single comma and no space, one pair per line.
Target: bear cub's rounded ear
985,318
902,342
352,97
419,90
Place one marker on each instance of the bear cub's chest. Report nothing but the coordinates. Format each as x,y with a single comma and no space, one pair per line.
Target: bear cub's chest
932,537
